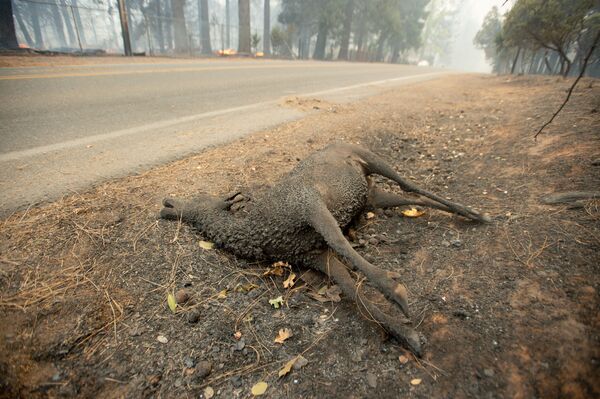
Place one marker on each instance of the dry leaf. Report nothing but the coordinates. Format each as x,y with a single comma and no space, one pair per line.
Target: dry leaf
276,269
413,213
277,302
296,363
289,282
206,245
287,368
370,215
284,334
222,294
209,392
162,339
245,287
415,381
172,302
259,388
403,359
237,335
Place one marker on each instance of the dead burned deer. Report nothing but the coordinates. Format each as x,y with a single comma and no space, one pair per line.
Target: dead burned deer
300,220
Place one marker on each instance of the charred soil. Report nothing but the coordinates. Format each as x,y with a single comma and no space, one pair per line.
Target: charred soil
509,309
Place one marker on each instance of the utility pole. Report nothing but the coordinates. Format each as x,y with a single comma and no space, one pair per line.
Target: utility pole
227,25
124,28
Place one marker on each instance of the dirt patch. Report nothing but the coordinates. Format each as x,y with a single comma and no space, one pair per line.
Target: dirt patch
508,309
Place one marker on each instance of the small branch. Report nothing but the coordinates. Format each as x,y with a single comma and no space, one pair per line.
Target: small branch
585,63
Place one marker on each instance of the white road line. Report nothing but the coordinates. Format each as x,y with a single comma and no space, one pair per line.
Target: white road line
15,155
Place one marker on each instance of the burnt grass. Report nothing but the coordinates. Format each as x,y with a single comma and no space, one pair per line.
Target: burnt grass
508,309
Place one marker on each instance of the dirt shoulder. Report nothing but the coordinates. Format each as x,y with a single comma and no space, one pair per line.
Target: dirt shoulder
36,60
508,309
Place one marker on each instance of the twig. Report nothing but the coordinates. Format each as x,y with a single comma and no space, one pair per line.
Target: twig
583,68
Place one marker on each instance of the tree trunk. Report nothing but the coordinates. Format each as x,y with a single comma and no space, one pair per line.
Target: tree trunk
244,45
319,52
181,39
380,46
395,54
346,29
204,27
159,26
227,25
8,36
267,28
514,64
361,33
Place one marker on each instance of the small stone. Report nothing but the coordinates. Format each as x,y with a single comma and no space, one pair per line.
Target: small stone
372,379
488,372
446,243
373,241
456,243
203,369
182,296
189,362
154,379
236,381
193,316
56,377
162,339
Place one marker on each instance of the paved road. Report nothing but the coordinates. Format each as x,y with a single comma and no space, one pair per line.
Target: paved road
65,128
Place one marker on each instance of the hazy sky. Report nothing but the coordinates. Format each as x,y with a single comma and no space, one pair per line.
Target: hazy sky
464,54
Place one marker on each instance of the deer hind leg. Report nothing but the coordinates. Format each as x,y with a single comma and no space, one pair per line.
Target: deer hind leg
383,199
375,164
370,302
325,224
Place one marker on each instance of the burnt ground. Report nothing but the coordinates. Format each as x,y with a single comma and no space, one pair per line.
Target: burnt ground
508,309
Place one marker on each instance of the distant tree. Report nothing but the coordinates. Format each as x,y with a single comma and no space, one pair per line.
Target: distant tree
255,41
487,38
346,30
267,27
439,31
244,45
180,30
329,16
549,24
205,27
8,37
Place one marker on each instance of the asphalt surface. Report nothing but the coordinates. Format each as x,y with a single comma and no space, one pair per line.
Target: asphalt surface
66,128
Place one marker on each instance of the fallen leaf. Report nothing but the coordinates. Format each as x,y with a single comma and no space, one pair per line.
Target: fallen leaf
415,381
277,302
403,359
370,215
289,282
284,334
277,269
287,368
295,363
237,335
162,339
413,213
209,392
172,302
206,245
259,388
222,294
245,287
